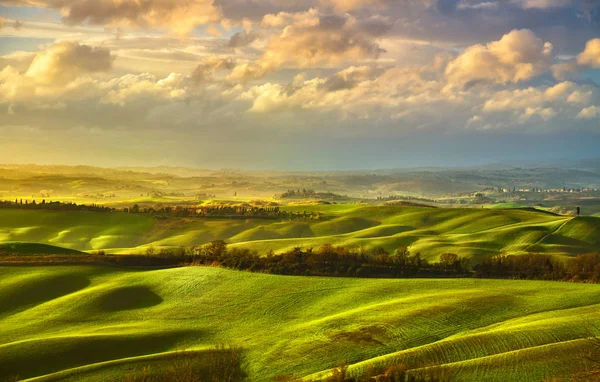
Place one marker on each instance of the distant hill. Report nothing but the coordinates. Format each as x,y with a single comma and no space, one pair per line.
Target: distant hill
126,182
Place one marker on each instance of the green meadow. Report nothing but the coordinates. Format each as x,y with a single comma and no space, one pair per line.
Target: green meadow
92,323
100,323
469,232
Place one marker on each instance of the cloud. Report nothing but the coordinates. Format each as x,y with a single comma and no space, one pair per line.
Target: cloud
347,78
308,18
310,39
178,16
204,72
562,69
541,107
349,5
517,56
241,39
249,71
580,97
358,92
18,60
591,54
589,112
545,114
542,4
49,78
327,39
559,90
66,61
588,58
477,5
374,26
144,88
560,96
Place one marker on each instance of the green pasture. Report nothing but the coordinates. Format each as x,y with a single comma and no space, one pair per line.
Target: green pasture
92,323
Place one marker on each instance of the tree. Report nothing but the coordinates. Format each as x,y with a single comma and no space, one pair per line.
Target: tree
448,259
216,248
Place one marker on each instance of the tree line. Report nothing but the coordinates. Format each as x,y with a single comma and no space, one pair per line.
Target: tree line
54,206
206,211
329,260
225,211
581,268
310,194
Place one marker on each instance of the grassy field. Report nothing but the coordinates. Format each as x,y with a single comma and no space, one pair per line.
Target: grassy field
97,323
432,231
35,249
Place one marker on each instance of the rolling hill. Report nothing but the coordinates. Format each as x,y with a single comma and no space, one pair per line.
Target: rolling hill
93,323
431,231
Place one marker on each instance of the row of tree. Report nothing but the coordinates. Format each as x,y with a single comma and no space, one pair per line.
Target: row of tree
581,268
55,206
226,211
324,261
311,194
208,211
341,261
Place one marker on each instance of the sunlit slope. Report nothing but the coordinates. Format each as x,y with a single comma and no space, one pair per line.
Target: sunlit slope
94,323
432,231
76,230
467,232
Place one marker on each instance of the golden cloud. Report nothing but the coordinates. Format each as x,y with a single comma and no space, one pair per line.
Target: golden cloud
66,61
591,54
517,56
178,16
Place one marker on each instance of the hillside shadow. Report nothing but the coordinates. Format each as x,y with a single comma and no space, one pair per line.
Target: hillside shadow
49,355
127,298
21,296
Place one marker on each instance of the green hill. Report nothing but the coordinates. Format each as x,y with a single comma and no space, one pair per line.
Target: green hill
432,231
34,248
94,323
75,230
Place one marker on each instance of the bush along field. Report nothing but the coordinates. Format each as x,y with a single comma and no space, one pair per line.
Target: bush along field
471,233
98,323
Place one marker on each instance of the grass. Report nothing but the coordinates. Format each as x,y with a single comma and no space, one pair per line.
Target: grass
34,248
467,232
98,323
74,230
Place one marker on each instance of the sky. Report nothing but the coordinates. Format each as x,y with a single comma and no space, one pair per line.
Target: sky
298,84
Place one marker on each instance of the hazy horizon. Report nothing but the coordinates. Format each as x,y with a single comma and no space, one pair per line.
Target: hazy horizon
531,163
